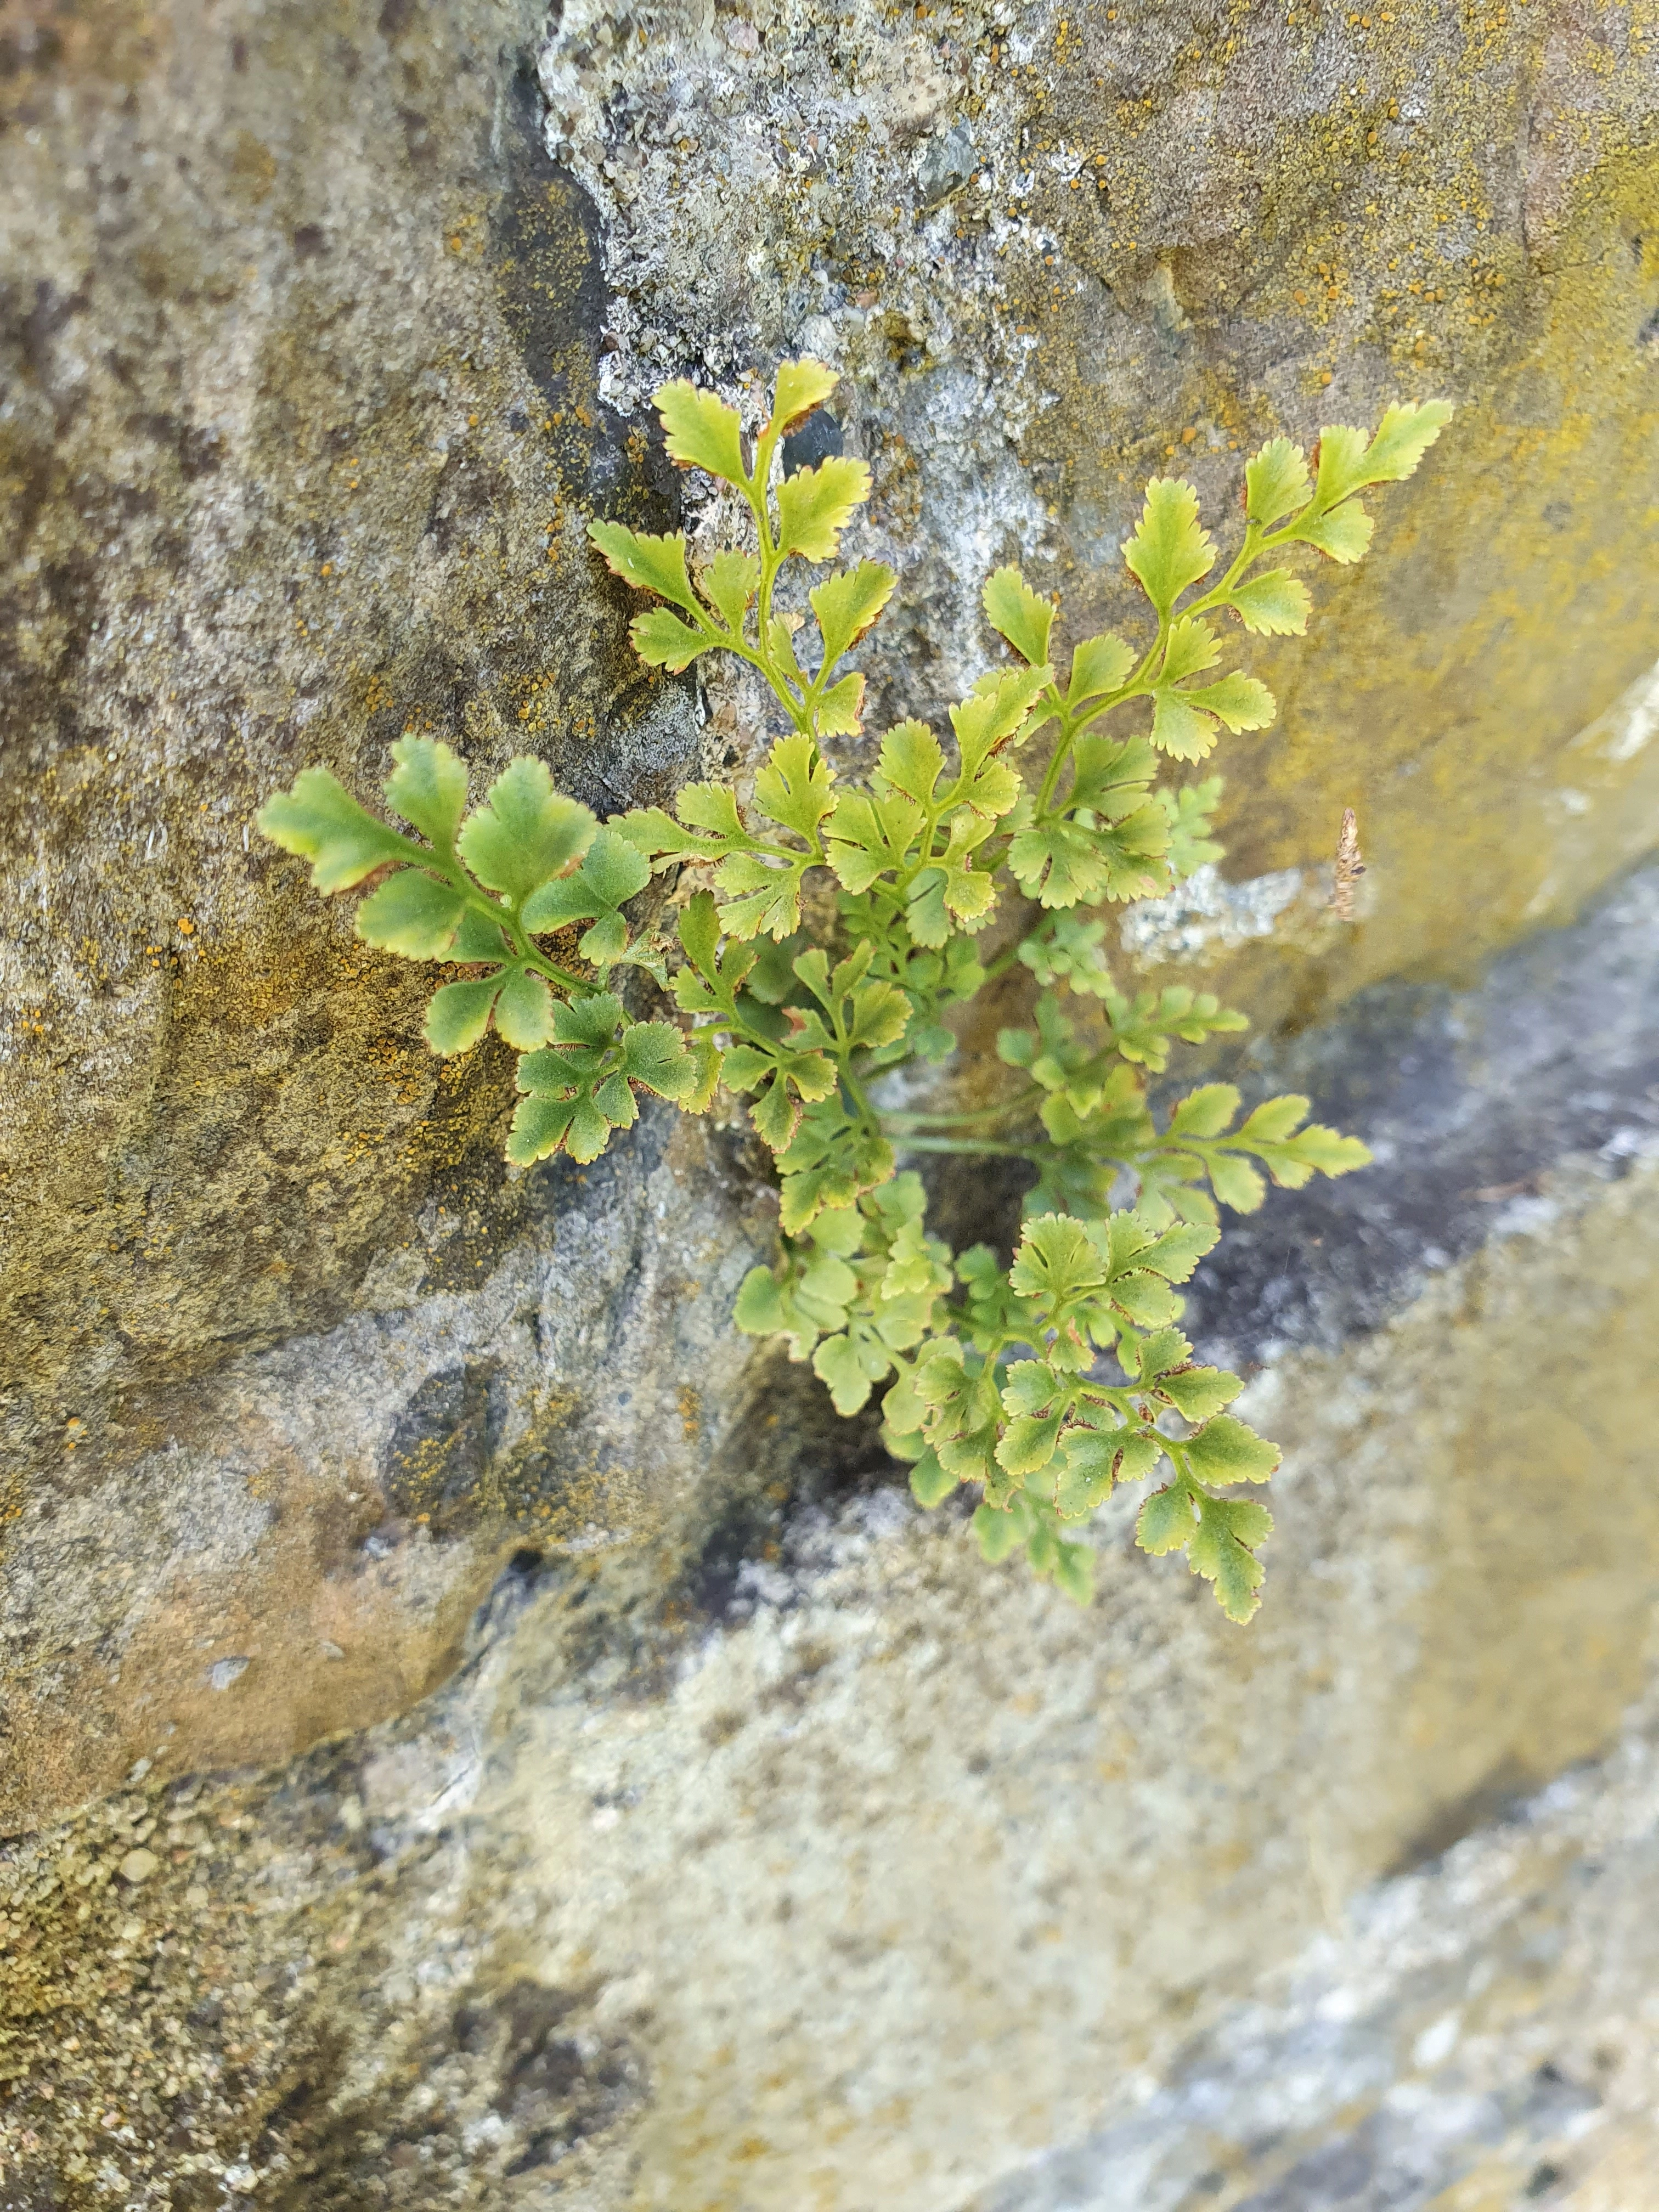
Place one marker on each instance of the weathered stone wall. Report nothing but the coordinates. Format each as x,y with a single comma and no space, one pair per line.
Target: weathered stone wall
471,1734
300,426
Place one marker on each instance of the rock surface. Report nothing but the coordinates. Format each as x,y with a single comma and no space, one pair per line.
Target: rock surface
808,1899
300,421
471,1734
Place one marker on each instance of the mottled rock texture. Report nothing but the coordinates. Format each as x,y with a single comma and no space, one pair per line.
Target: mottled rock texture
1188,227
472,1735
299,428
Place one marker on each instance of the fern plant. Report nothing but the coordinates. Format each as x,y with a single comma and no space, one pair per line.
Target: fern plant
1047,1383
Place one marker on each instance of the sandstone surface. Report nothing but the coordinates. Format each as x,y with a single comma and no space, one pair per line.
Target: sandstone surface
473,1733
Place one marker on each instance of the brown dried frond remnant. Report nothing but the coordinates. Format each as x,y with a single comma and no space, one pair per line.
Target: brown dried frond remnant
1350,865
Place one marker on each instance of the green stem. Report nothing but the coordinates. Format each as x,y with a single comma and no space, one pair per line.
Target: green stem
1001,964
1138,686
1062,748
959,1317
861,1099
987,1147
539,961
800,710
890,892
1248,552
456,876
541,965
1019,1100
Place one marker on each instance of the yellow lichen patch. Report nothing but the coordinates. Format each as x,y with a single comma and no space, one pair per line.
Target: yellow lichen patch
1508,602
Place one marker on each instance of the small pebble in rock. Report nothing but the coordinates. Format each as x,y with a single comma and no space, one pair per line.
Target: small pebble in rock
946,164
139,1865
223,1672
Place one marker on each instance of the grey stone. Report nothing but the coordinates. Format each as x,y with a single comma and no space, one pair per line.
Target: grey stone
1467,1099
636,1802
945,165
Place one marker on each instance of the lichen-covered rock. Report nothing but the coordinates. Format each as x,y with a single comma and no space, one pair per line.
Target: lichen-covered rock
831,1904
1185,229
468,1731
856,1873
299,424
